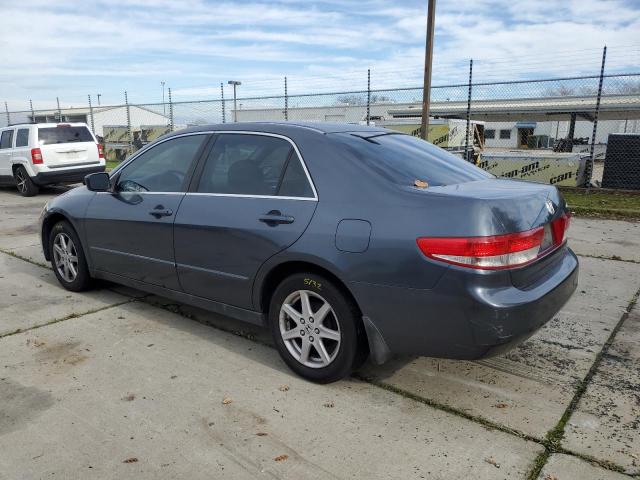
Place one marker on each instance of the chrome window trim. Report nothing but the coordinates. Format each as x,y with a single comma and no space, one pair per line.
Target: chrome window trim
236,132
202,194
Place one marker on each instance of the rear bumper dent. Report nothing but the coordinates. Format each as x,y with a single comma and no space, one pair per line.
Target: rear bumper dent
466,316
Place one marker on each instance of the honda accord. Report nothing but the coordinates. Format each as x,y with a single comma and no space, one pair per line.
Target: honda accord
346,241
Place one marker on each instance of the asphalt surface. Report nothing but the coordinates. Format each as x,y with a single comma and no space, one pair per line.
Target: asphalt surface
117,384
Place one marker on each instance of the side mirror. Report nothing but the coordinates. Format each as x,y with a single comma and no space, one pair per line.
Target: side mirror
98,182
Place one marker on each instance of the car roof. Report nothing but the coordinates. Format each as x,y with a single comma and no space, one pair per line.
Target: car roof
285,128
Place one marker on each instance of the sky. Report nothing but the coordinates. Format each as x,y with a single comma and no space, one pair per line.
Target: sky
69,49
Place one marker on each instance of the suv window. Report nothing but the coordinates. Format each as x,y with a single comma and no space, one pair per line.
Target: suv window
22,137
5,139
163,168
403,159
64,134
246,164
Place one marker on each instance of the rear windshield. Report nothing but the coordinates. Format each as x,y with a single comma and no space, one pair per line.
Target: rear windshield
49,136
403,159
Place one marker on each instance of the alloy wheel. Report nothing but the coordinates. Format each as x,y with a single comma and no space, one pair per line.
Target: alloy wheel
21,181
65,257
310,329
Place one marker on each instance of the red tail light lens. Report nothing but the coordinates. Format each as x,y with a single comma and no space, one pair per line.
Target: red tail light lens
36,156
100,150
496,252
559,228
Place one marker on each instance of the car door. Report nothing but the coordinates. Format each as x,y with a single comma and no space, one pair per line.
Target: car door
253,198
130,230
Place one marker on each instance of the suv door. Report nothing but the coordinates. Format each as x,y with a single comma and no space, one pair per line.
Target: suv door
130,230
251,198
6,145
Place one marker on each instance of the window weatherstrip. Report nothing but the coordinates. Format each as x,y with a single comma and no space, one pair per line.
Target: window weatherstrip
224,132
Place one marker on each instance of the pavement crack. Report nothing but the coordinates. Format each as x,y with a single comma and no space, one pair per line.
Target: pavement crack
555,436
614,258
20,257
67,317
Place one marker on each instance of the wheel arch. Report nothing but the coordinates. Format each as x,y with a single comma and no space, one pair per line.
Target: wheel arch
21,163
279,272
47,224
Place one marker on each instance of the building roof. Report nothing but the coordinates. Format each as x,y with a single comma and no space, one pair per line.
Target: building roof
87,110
612,107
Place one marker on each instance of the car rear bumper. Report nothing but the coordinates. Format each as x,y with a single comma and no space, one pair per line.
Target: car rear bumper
468,315
65,176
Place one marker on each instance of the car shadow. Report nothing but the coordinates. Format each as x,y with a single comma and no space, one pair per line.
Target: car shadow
253,333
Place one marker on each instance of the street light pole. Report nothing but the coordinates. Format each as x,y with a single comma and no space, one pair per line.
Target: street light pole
428,59
164,111
235,84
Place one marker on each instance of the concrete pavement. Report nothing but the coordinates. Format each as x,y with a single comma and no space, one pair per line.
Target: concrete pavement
114,384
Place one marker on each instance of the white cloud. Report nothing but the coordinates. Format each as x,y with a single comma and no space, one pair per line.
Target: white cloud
110,45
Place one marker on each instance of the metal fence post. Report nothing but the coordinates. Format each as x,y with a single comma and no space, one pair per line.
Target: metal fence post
6,109
286,100
59,111
91,116
589,167
171,126
129,134
368,95
466,143
33,114
224,120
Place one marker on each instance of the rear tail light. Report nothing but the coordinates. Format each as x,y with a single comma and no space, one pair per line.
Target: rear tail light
36,156
499,251
100,150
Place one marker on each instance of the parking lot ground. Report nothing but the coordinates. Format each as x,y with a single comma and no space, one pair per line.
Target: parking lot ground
606,422
565,466
30,296
113,383
135,381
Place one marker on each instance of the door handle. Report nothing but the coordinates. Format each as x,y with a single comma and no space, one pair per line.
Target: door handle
275,217
160,211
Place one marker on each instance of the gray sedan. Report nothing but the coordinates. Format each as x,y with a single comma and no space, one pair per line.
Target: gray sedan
346,241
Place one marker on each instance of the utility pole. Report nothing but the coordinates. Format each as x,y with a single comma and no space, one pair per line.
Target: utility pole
235,84
164,110
428,59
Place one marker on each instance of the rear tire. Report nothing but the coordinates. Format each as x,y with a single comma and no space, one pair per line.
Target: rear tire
316,328
67,258
25,185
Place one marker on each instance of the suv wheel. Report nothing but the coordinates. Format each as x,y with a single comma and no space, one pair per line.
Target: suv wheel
316,328
67,258
25,185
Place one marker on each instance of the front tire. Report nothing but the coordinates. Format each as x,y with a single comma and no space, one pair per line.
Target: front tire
67,258
316,328
25,185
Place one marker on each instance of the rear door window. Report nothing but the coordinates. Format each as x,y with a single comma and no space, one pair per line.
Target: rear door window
245,164
64,134
22,137
5,139
403,159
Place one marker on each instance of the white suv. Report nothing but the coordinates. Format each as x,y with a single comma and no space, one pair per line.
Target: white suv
32,155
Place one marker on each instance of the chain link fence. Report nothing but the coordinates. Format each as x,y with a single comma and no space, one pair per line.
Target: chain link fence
575,131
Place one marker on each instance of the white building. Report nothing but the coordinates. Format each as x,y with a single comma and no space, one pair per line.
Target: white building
102,116
508,123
